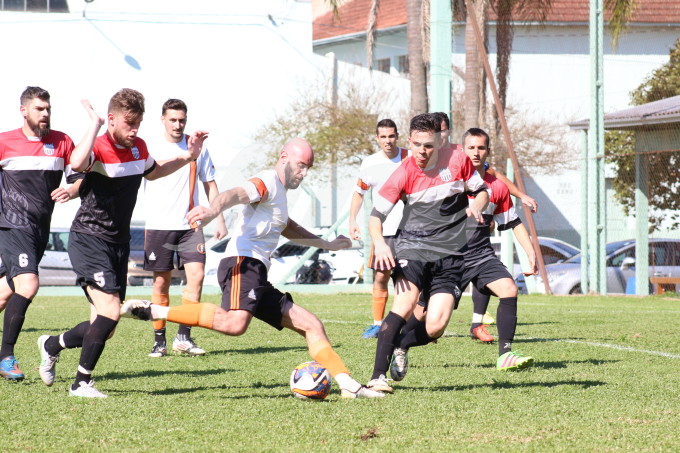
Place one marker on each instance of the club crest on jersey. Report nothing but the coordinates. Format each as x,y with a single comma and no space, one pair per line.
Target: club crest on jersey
135,152
445,174
48,149
200,248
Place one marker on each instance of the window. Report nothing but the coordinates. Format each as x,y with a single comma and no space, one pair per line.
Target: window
36,6
403,64
383,65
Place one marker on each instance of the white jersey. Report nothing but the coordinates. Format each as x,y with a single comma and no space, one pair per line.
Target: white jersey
374,171
168,199
261,222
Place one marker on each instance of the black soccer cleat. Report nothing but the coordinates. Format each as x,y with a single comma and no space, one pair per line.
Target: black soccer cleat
137,309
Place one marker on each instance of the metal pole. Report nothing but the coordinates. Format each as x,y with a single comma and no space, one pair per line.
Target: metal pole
585,281
441,32
333,98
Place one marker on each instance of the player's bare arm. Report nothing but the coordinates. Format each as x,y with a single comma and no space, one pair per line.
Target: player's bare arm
299,234
478,206
80,157
384,259
524,240
357,201
211,191
64,194
201,215
514,190
166,167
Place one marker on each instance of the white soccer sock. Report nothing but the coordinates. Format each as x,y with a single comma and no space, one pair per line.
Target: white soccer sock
345,381
159,312
377,323
477,318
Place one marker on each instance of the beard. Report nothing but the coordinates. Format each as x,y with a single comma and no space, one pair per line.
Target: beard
122,140
289,175
38,129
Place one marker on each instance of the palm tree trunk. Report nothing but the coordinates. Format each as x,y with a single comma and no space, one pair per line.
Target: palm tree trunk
475,87
417,70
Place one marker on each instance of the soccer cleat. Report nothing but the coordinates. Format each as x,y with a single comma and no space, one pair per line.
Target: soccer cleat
137,309
363,392
512,361
371,332
399,365
380,384
47,362
186,347
480,333
158,350
9,369
488,319
86,390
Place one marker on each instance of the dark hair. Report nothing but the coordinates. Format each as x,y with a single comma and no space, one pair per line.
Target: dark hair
425,122
443,117
386,123
174,104
476,132
128,101
32,93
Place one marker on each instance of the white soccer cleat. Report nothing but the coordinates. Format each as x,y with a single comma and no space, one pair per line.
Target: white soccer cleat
86,390
137,309
399,365
187,346
363,392
380,385
47,362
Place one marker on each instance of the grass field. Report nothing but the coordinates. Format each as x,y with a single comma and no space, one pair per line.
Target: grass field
607,378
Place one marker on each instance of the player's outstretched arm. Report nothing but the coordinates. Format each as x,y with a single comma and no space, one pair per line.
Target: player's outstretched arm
212,192
522,236
80,157
201,215
514,190
357,201
478,206
166,167
384,259
299,234
64,194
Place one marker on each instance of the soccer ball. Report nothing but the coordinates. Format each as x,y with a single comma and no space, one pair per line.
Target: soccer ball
310,380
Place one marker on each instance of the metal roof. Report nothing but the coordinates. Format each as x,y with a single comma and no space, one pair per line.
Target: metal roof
664,111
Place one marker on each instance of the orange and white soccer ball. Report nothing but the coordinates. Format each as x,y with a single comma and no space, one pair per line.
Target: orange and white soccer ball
310,380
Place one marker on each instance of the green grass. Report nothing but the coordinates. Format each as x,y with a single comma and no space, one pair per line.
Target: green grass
606,378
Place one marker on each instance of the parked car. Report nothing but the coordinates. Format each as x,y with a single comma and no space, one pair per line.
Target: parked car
55,268
553,250
136,273
565,278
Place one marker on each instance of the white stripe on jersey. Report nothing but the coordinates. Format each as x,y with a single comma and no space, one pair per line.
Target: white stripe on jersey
33,163
503,218
119,169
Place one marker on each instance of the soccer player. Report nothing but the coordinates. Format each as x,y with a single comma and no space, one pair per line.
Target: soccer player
243,273
374,171
99,242
434,184
483,269
168,234
33,159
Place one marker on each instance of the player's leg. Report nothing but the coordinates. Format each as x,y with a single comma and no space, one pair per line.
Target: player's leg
5,291
278,310
480,303
160,295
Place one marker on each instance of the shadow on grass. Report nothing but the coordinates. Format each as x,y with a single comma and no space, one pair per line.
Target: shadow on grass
216,388
543,365
157,373
261,350
537,323
505,385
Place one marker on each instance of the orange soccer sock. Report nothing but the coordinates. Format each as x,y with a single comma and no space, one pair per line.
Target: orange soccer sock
323,352
379,302
200,314
160,299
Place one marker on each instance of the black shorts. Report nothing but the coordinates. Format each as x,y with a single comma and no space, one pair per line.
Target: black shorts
245,287
432,277
99,263
161,247
371,257
21,251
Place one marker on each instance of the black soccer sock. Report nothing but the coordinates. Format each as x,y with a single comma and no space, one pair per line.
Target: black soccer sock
389,330
417,336
184,332
159,335
506,320
15,314
93,346
411,324
480,302
68,340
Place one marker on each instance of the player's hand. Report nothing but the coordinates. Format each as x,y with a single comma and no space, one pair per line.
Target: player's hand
199,217
354,231
99,121
221,232
195,143
530,203
383,259
475,213
533,266
60,195
339,243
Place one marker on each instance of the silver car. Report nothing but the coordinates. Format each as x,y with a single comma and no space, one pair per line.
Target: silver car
565,278
55,267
